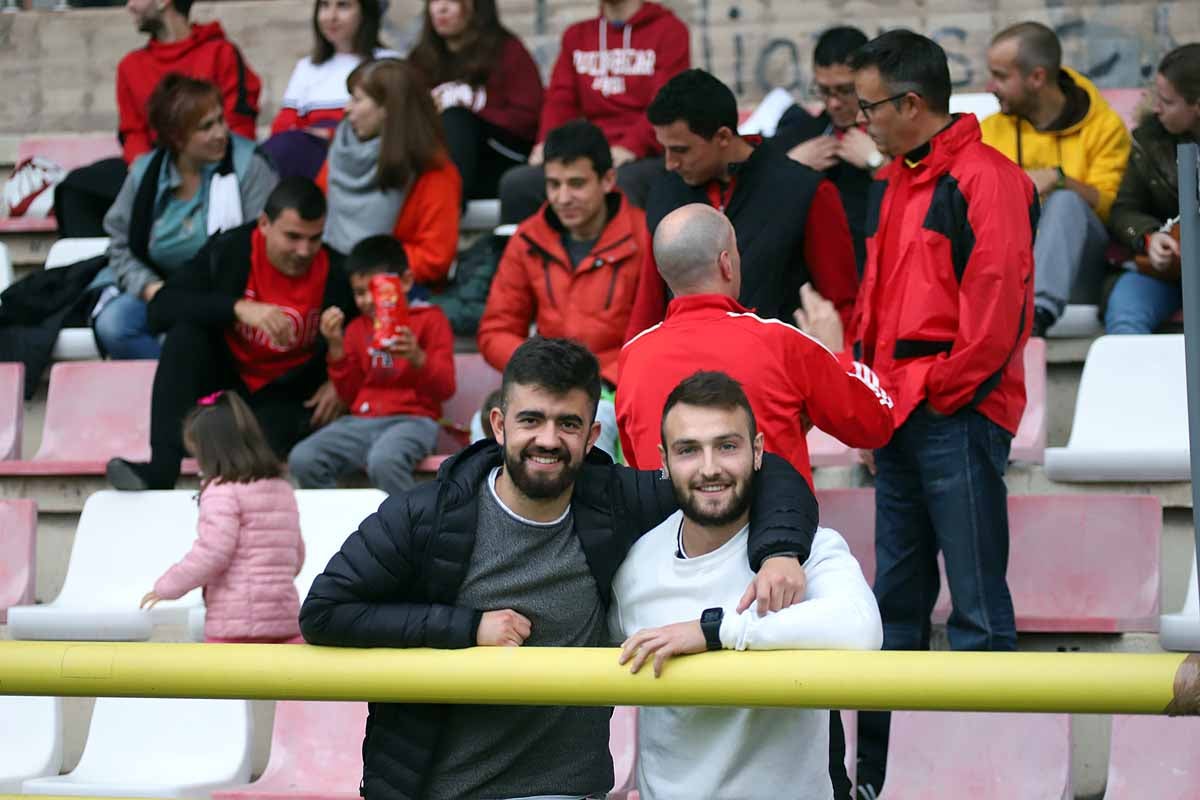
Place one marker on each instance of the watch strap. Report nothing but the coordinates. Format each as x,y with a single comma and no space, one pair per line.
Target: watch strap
710,625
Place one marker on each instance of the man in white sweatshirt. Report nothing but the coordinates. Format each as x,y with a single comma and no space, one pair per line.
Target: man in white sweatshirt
677,594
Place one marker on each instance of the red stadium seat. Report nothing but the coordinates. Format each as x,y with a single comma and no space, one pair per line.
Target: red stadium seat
622,744
18,548
12,384
68,152
980,756
94,410
316,754
1078,563
1156,757
475,380
1126,102
826,451
1030,442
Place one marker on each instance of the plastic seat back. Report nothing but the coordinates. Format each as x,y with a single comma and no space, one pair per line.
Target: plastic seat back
1156,757
980,756
1130,419
981,104
70,151
97,410
851,512
31,739
12,409
1126,102
622,745
475,380
68,251
1030,442
6,267
327,517
18,553
316,754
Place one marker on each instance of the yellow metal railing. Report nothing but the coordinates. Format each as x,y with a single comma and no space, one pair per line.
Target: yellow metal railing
1081,683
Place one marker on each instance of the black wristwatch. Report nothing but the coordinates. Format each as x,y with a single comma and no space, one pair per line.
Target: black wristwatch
710,624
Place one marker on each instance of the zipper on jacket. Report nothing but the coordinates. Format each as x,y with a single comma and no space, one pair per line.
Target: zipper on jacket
612,285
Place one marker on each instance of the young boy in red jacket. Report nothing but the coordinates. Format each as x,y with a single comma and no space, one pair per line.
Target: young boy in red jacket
395,394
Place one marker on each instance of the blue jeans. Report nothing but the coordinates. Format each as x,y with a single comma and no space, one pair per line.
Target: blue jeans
939,487
1141,304
123,330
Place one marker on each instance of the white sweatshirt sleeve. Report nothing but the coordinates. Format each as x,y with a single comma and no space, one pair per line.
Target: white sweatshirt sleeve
839,611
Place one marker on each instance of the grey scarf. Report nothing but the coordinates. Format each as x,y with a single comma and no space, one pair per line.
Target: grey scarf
358,208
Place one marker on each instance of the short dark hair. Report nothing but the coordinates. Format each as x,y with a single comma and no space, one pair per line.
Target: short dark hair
1181,68
184,7
699,99
228,443
495,399
298,193
373,254
708,389
836,45
578,139
1037,46
556,365
910,62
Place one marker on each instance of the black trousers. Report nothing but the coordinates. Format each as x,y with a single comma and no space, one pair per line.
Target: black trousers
523,188
84,197
481,151
195,362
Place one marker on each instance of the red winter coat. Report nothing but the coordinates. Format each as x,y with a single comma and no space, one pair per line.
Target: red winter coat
376,385
536,284
946,302
206,54
608,74
786,374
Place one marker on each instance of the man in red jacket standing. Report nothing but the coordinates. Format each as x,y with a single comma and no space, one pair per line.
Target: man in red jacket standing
608,70
943,314
192,49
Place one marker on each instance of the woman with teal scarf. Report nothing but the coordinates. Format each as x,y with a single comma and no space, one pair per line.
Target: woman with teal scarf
200,179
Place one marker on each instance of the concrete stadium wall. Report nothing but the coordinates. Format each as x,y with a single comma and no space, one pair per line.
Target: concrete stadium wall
57,68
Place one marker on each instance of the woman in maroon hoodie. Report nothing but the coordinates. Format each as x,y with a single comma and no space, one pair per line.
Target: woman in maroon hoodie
486,86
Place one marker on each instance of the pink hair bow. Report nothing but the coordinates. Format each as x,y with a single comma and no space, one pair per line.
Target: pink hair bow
211,399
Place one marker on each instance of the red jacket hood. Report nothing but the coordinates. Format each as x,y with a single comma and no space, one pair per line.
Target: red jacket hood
170,52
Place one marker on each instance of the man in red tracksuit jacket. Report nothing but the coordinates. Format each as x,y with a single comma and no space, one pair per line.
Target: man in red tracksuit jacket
943,314
608,70
788,376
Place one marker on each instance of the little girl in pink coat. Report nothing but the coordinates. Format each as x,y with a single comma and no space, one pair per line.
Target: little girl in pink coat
248,548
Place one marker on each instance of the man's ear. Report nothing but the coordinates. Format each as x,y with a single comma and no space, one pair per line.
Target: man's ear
608,181
496,420
593,435
758,451
725,264
662,456
724,136
263,222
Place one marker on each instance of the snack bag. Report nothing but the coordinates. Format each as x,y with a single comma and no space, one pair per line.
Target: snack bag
391,309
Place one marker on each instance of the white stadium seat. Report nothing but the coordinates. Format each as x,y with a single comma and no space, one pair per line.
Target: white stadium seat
31,740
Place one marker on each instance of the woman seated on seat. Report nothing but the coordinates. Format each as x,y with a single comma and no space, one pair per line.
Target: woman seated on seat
1145,214
345,33
200,179
388,171
486,86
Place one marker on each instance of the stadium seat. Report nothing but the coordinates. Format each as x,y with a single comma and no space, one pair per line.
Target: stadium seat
31,740
94,410
18,553
1126,102
475,380
1083,563
1130,416
826,451
764,119
1029,445
316,754
327,517
622,744
75,344
1156,757
980,756
1181,631
981,104
1078,321
124,542
480,215
68,152
158,747
6,268
12,410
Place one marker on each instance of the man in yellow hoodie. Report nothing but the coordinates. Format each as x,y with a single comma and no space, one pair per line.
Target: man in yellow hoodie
1056,126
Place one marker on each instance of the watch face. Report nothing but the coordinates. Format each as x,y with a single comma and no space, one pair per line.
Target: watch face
712,615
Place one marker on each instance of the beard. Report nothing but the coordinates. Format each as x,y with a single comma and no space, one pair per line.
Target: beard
151,24
541,487
691,499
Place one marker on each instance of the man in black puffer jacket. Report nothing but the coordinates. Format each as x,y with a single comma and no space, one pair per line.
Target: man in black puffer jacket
517,544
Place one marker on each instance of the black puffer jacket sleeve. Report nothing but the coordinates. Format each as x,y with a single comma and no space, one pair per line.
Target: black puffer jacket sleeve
368,596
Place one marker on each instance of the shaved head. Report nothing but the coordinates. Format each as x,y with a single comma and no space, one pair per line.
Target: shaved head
688,248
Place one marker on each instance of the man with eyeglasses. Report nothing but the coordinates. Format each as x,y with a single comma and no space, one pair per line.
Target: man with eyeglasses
832,142
943,314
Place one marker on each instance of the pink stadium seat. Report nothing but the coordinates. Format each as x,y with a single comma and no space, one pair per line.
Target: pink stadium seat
1126,102
826,451
94,410
316,754
980,756
1078,563
12,384
1030,442
68,152
18,547
475,380
1155,757
622,744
